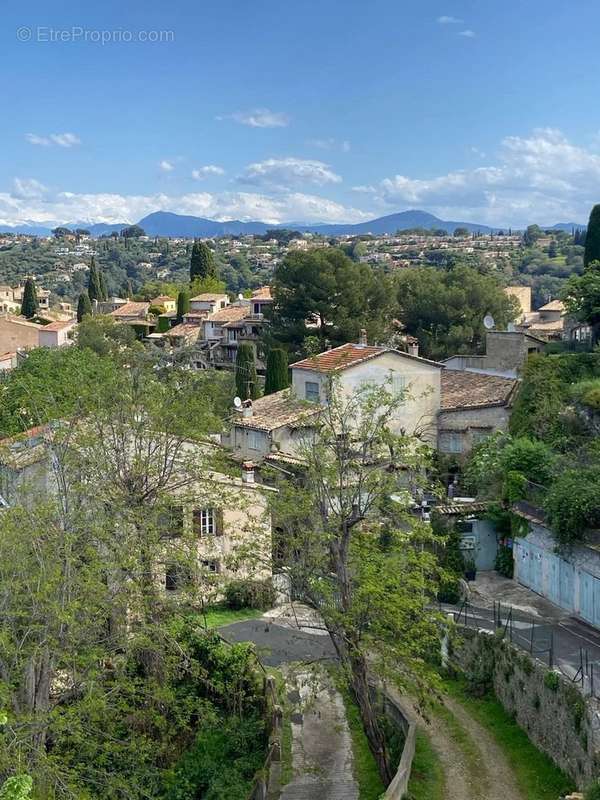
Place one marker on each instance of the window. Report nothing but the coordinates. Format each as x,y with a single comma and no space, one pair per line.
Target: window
451,442
254,440
211,565
257,308
311,391
205,523
177,577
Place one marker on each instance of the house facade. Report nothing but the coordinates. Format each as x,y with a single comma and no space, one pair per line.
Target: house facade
473,406
355,366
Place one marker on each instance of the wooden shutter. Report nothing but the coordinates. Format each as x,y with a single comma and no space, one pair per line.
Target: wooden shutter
218,522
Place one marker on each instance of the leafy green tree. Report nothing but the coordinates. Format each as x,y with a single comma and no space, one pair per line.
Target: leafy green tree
581,295
277,376
183,304
61,232
445,309
202,262
532,234
324,293
592,238
84,306
460,233
246,379
357,555
29,304
132,232
18,787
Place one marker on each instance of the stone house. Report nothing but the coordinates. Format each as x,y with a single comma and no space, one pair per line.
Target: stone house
277,424
473,406
226,518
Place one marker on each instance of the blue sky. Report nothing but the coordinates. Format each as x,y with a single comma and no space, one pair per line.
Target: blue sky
477,110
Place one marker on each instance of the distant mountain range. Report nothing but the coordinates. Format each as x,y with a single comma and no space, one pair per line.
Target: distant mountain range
165,223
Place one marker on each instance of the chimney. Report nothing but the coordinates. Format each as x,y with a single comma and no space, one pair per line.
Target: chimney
247,409
247,472
362,339
412,346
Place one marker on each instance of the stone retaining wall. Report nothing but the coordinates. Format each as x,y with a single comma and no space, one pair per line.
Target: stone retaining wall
549,708
397,714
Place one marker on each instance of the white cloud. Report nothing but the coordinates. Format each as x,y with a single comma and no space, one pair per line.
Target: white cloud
287,172
448,20
331,144
60,139
204,172
26,204
166,166
260,118
540,178
28,188
469,34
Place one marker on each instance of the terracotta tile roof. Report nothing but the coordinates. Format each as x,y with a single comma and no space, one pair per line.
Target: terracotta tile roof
339,357
462,389
158,300
208,297
183,329
553,305
347,355
58,326
276,410
229,314
262,293
131,309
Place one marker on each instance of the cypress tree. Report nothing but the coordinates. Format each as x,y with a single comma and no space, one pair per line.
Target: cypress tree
246,381
183,304
592,239
277,371
202,262
84,306
29,304
94,282
103,286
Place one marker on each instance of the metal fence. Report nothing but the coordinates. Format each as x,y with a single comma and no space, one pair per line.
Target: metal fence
549,643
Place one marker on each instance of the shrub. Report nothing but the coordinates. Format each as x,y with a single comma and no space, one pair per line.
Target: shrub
573,504
250,594
592,792
587,393
551,681
504,563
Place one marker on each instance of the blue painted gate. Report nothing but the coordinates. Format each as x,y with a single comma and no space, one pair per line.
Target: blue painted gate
589,597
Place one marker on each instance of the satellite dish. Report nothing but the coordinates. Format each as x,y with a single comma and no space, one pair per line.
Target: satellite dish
237,402
488,322
240,296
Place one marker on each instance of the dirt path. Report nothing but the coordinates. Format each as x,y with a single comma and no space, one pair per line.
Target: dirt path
474,765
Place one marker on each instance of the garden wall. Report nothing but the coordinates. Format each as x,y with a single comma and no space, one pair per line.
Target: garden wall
552,711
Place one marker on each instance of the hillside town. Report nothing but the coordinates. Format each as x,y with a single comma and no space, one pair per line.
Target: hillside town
300,401
220,413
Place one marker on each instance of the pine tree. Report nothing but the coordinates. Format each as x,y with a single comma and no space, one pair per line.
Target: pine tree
246,381
592,239
202,262
84,306
95,282
183,304
29,304
277,371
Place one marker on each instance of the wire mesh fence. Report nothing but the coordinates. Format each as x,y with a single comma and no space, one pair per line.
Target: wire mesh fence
547,642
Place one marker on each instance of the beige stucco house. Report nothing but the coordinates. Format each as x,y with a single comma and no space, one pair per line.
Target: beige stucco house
357,365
